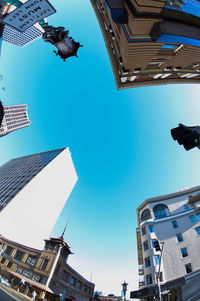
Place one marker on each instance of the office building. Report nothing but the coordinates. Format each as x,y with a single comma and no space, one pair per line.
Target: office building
33,191
45,271
15,118
151,42
174,221
13,36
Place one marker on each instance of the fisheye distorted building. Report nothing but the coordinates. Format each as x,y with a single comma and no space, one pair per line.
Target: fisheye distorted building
174,221
46,270
15,118
151,42
33,191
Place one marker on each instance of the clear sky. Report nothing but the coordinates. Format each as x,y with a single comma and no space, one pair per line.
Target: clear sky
120,141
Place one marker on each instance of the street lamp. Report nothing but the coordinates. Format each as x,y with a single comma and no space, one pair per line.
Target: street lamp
59,37
124,289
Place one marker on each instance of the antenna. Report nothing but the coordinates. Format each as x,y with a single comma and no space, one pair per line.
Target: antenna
65,227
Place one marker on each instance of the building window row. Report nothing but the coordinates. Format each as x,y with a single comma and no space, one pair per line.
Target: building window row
75,282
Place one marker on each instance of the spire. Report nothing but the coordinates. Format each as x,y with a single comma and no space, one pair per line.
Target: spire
65,228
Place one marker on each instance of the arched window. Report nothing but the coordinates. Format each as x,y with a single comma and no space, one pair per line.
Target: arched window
145,215
160,211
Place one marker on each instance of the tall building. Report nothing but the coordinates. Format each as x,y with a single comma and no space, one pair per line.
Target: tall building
45,271
13,36
174,221
151,42
33,191
15,118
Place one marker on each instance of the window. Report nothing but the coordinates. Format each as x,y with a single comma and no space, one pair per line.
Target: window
184,252
151,229
9,264
145,245
188,268
198,216
143,230
192,218
148,279
3,260
152,242
186,207
78,284
85,288
197,229
19,255
8,250
31,260
179,237
156,259
147,262
65,276
145,215
160,211
44,264
72,280
174,224
169,47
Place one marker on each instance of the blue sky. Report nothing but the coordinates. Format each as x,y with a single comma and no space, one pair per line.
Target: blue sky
120,141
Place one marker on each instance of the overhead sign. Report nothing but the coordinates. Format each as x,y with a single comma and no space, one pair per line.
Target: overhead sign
28,14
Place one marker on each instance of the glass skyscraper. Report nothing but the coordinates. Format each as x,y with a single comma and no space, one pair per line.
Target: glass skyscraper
16,173
33,192
15,118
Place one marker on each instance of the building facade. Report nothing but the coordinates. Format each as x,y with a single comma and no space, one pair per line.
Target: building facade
33,192
174,221
15,118
151,42
13,36
45,271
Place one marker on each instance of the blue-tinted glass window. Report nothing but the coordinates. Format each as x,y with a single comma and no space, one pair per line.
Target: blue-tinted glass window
147,262
153,240
157,259
148,279
198,216
184,252
151,229
174,224
197,229
169,46
192,218
143,230
186,207
179,237
145,245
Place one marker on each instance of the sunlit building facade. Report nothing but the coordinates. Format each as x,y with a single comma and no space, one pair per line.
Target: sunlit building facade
15,118
174,221
151,42
33,191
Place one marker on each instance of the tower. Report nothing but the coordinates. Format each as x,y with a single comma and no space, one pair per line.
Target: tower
33,191
15,118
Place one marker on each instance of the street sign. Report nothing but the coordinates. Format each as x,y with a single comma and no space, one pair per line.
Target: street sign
28,14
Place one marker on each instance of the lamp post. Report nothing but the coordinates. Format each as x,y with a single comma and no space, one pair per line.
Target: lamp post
124,289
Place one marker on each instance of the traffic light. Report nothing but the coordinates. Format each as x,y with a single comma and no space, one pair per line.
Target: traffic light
157,245
1,112
188,136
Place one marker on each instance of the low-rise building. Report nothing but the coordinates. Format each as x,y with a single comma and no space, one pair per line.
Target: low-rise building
45,271
174,221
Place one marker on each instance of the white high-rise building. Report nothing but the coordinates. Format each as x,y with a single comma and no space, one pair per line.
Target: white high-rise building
15,118
33,192
174,221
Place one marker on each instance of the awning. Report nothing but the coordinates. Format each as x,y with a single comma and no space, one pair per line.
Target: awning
38,285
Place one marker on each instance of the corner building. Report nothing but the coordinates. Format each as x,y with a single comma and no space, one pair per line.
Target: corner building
33,192
173,220
151,42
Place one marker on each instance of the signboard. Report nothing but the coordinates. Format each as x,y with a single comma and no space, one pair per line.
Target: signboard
29,13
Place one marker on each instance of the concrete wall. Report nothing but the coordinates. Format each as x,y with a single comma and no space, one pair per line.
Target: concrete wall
32,213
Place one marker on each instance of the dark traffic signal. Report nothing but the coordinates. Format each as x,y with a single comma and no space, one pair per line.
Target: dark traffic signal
1,112
157,245
188,136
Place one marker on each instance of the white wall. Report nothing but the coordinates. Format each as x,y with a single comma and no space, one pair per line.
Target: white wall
32,213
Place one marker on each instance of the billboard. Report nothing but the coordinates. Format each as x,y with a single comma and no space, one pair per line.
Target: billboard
29,13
